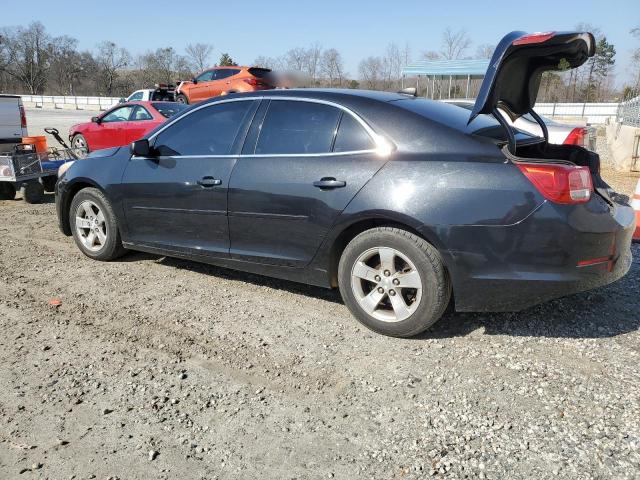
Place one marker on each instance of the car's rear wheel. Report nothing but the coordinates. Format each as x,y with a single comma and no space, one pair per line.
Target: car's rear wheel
394,282
94,225
180,98
79,142
32,192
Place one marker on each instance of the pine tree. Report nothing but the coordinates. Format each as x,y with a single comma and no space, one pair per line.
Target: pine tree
227,61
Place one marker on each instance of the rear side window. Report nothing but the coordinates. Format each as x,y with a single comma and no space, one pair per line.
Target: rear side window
208,131
168,109
352,136
140,114
225,72
292,127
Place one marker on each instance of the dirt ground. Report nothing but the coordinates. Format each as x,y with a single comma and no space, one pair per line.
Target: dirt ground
159,368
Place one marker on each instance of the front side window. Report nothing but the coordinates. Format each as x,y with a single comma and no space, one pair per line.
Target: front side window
208,131
295,127
140,114
121,114
205,76
352,136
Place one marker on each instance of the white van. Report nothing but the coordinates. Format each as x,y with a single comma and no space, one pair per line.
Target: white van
13,122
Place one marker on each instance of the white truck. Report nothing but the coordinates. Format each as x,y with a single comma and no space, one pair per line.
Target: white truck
161,93
13,122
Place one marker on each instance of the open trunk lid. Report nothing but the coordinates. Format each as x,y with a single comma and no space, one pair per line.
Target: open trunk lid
513,77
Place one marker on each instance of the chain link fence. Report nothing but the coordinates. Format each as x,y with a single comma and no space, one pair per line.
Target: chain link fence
629,112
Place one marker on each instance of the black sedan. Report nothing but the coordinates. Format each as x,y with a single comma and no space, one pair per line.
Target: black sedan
406,205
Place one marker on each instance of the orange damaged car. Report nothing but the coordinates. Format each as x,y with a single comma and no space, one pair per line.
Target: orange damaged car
223,80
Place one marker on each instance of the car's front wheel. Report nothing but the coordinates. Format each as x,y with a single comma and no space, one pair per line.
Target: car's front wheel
79,142
394,282
181,98
94,225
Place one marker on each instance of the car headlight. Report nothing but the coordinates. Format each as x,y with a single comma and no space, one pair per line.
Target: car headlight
64,167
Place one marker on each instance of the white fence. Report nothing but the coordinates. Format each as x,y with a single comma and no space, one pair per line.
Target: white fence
72,103
592,113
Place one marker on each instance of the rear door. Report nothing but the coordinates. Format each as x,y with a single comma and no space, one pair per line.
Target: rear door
302,164
140,122
176,200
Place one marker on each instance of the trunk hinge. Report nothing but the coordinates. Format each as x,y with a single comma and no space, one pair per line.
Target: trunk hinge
543,126
507,128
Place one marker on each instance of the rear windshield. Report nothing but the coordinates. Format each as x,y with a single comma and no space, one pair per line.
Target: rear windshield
169,109
259,72
455,117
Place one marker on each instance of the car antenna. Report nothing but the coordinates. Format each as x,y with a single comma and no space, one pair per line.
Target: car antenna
412,91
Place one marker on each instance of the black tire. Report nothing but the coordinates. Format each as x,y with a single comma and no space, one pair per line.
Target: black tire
181,98
49,183
112,248
32,192
7,191
435,284
79,142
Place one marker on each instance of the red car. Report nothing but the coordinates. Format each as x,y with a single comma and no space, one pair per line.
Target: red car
122,124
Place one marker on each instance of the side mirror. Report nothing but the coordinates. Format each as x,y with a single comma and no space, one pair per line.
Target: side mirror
194,80
122,100
95,119
140,148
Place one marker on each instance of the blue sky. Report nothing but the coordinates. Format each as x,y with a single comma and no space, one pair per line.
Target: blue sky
357,28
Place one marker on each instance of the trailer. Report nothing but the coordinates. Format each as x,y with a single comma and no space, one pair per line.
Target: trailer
31,172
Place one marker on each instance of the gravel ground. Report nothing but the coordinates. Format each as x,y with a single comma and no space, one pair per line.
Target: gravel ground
153,367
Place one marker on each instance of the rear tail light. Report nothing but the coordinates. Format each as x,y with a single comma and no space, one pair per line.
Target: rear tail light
254,82
533,38
567,184
23,117
577,136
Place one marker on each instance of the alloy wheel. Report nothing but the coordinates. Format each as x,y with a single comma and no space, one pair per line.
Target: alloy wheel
386,284
91,226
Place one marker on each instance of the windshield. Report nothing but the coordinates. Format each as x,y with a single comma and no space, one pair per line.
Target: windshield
169,109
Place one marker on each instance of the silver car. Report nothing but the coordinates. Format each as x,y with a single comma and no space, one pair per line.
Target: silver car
559,133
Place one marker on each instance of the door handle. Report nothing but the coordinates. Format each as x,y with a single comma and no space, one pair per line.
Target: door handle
327,183
209,182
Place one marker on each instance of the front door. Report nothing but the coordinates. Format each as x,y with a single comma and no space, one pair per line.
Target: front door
109,130
200,90
310,160
176,199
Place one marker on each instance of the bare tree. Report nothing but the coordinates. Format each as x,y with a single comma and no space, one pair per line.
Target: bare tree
392,66
68,66
111,60
371,71
431,55
454,44
199,55
296,58
312,61
332,67
274,63
485,50
28,53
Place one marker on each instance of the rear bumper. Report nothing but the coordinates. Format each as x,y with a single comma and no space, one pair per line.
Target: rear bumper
556,251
